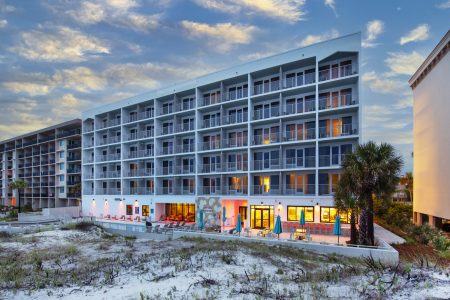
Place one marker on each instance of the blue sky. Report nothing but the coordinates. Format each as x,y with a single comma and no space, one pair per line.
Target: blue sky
60,57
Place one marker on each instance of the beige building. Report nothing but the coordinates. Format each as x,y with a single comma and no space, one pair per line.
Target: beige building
431,90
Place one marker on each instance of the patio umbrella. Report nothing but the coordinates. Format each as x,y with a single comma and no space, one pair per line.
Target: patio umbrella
201,224
278,229
224,216
337,227
238,225
302,218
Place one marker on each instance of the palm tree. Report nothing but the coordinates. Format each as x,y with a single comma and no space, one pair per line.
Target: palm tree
372,170
407,180
346,201
18,185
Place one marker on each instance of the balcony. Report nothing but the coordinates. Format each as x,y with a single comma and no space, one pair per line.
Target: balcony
324,160
88,176
184,127
266,139
145,172
109,174
234,143
210,100
107,191
266,190
337,72
306,189
338,131
167,150
307,134
270,164
139,191
210,190
167,130
167,171
74,158
266,113
110,123
139,116
73,170
110,140
266,87
326,189
108,157
168,191
337,102
74,145
73,182
236,190
66,133
185,148
211,168
88,160
236,166
88,128
139,154
140,135
88,144
73,195
185,169
211,145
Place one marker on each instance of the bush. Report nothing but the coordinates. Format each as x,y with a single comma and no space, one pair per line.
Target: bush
81,226
13,214
27,208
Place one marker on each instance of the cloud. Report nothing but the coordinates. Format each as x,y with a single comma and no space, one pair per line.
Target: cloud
30,88
4,8
3,23
63,44
382,84
312,39
222,36
404,103
444,5
401,63
331,4
373,29
119,13
289,11
81,79
420,33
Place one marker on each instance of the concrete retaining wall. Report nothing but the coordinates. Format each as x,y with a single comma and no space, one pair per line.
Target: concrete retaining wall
386,254
62,212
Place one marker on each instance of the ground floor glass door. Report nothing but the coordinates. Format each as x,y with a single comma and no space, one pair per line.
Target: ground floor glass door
261,216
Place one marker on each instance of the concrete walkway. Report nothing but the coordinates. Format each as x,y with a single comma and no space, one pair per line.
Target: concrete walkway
387,236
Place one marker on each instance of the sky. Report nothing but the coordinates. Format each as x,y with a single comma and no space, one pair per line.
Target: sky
61,57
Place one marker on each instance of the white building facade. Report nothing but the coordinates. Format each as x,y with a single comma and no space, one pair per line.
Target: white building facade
431,90
260,139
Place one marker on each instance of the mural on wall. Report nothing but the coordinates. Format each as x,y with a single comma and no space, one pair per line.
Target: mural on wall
212,210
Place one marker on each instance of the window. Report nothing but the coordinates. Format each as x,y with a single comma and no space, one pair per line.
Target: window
328,215
129,210
145,211
61,154
61,177
61,143
61,189
293,213
61,166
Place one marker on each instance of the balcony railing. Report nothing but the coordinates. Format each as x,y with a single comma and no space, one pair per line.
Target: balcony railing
107,191
110,140
110,123
212,145
109,174
140,135
336,72
266,190
234,143
340,131
336,102
139,191
88,128
209,123
168,191
65,133
139,154
109,157
266,113
211,168
139,116
270,164
139,172
266,139
306,189
88,176
235,95
185,169
210,190
266,87
326,189
184,127
236,190
236,166
167,130
210,100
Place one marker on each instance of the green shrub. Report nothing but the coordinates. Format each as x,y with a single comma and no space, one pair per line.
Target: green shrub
441,243
27,208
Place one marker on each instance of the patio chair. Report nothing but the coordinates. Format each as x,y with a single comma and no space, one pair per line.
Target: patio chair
231,231
129,218
157,229
108,217
114,217
162,218
122,218
183,224
137,219
170,225
178,224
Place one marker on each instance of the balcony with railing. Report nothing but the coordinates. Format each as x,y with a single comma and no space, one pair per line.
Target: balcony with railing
327,189
74,158
168,190
266,86
167,130
267,164
140,135
337,72
238,190
143,172
139,190
185,169
266,139
88,144
139,116
211,145
210,100
66,133
337,131
73,145
239,93
109,140
108,174
88,128
337,102
139,154
266,190
87,176
107,191
88,159
108,123
266,113
108,157
329,160
234,143
185,127
211,168
305,189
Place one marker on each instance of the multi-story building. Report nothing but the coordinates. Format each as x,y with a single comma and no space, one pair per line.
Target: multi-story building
49,160
261,139
430,85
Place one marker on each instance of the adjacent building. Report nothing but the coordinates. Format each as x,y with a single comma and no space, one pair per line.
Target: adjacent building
260,139
49,160
431,90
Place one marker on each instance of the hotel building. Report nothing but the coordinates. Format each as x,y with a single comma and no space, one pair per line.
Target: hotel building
49,160
430,85
261,139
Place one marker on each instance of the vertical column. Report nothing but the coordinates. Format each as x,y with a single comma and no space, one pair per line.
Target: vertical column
249,135
317,129
122,148
197,141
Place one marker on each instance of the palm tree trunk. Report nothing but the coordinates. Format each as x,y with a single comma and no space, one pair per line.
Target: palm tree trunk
352,227
370,230
363,227
18,198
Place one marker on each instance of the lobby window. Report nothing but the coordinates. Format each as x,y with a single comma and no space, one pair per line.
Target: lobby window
129,210
293,213
328,215
145,210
